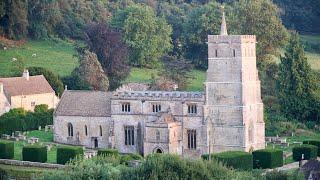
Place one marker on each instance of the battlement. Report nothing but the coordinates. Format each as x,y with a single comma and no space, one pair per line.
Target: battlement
198,96
231,38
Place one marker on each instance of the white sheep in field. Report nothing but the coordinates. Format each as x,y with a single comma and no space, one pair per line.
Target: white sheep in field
34,55
14,59
5,48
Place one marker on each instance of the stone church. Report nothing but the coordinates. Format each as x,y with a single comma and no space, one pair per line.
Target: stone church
228,115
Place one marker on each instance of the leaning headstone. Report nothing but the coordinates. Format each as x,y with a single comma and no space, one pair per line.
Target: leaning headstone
39,128
46,128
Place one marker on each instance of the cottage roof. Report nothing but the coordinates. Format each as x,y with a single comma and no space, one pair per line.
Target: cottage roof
15,86
84,103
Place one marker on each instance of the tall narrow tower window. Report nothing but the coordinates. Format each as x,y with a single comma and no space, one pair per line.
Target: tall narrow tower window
86,130
100,131
216,53
234,53
70,130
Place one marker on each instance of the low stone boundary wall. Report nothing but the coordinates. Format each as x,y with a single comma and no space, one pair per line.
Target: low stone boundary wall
30,164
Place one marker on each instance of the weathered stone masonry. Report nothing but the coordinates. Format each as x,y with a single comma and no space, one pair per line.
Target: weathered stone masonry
227,116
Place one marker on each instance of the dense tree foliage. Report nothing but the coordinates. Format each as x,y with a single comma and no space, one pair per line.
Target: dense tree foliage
200,22
296,85
42,18
261,18
147,35
177,70
74,82
301,15
91,71
155,166
54,80
112,52
21,120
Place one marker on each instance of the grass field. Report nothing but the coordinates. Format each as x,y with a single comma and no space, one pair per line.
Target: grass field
292,140
55,56
44,138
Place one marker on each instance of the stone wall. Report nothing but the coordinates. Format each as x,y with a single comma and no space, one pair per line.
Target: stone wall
30,164
25,101
79,136
233,101
4,104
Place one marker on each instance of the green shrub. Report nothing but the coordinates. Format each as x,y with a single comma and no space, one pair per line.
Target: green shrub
309,151
124,159
34,153
315,143
108,152
67,153
205,156
276,175
267,158
236,159
6,150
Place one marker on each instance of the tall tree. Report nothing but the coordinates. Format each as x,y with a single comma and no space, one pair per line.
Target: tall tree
261,18
200,22
296,85
91,71
14,20
177,70
54,80
147,35
112,52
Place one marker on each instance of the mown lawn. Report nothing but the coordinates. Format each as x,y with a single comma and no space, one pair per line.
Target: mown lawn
44,138
55,56
292,143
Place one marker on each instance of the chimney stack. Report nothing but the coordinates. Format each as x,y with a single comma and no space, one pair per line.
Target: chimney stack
26,74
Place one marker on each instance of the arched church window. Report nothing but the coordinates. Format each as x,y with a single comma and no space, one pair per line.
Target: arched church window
70,130
158,135
86,130
100,131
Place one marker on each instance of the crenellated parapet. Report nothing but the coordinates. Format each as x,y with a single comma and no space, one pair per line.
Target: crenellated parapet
160,95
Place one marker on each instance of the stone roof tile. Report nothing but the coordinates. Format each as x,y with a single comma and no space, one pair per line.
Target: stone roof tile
15,86
84,103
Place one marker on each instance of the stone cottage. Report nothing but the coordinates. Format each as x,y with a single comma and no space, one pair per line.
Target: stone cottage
228,115
26,92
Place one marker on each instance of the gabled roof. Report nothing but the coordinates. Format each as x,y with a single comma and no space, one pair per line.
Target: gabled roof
15,86
84,103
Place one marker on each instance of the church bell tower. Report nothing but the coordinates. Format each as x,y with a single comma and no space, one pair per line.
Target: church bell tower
233,98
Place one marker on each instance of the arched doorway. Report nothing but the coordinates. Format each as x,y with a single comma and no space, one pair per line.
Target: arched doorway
158,150
95,143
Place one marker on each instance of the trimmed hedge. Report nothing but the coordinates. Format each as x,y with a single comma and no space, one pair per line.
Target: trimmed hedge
315,143
267,158
236,159
34,153
6,150
108,152
67,153
309,151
